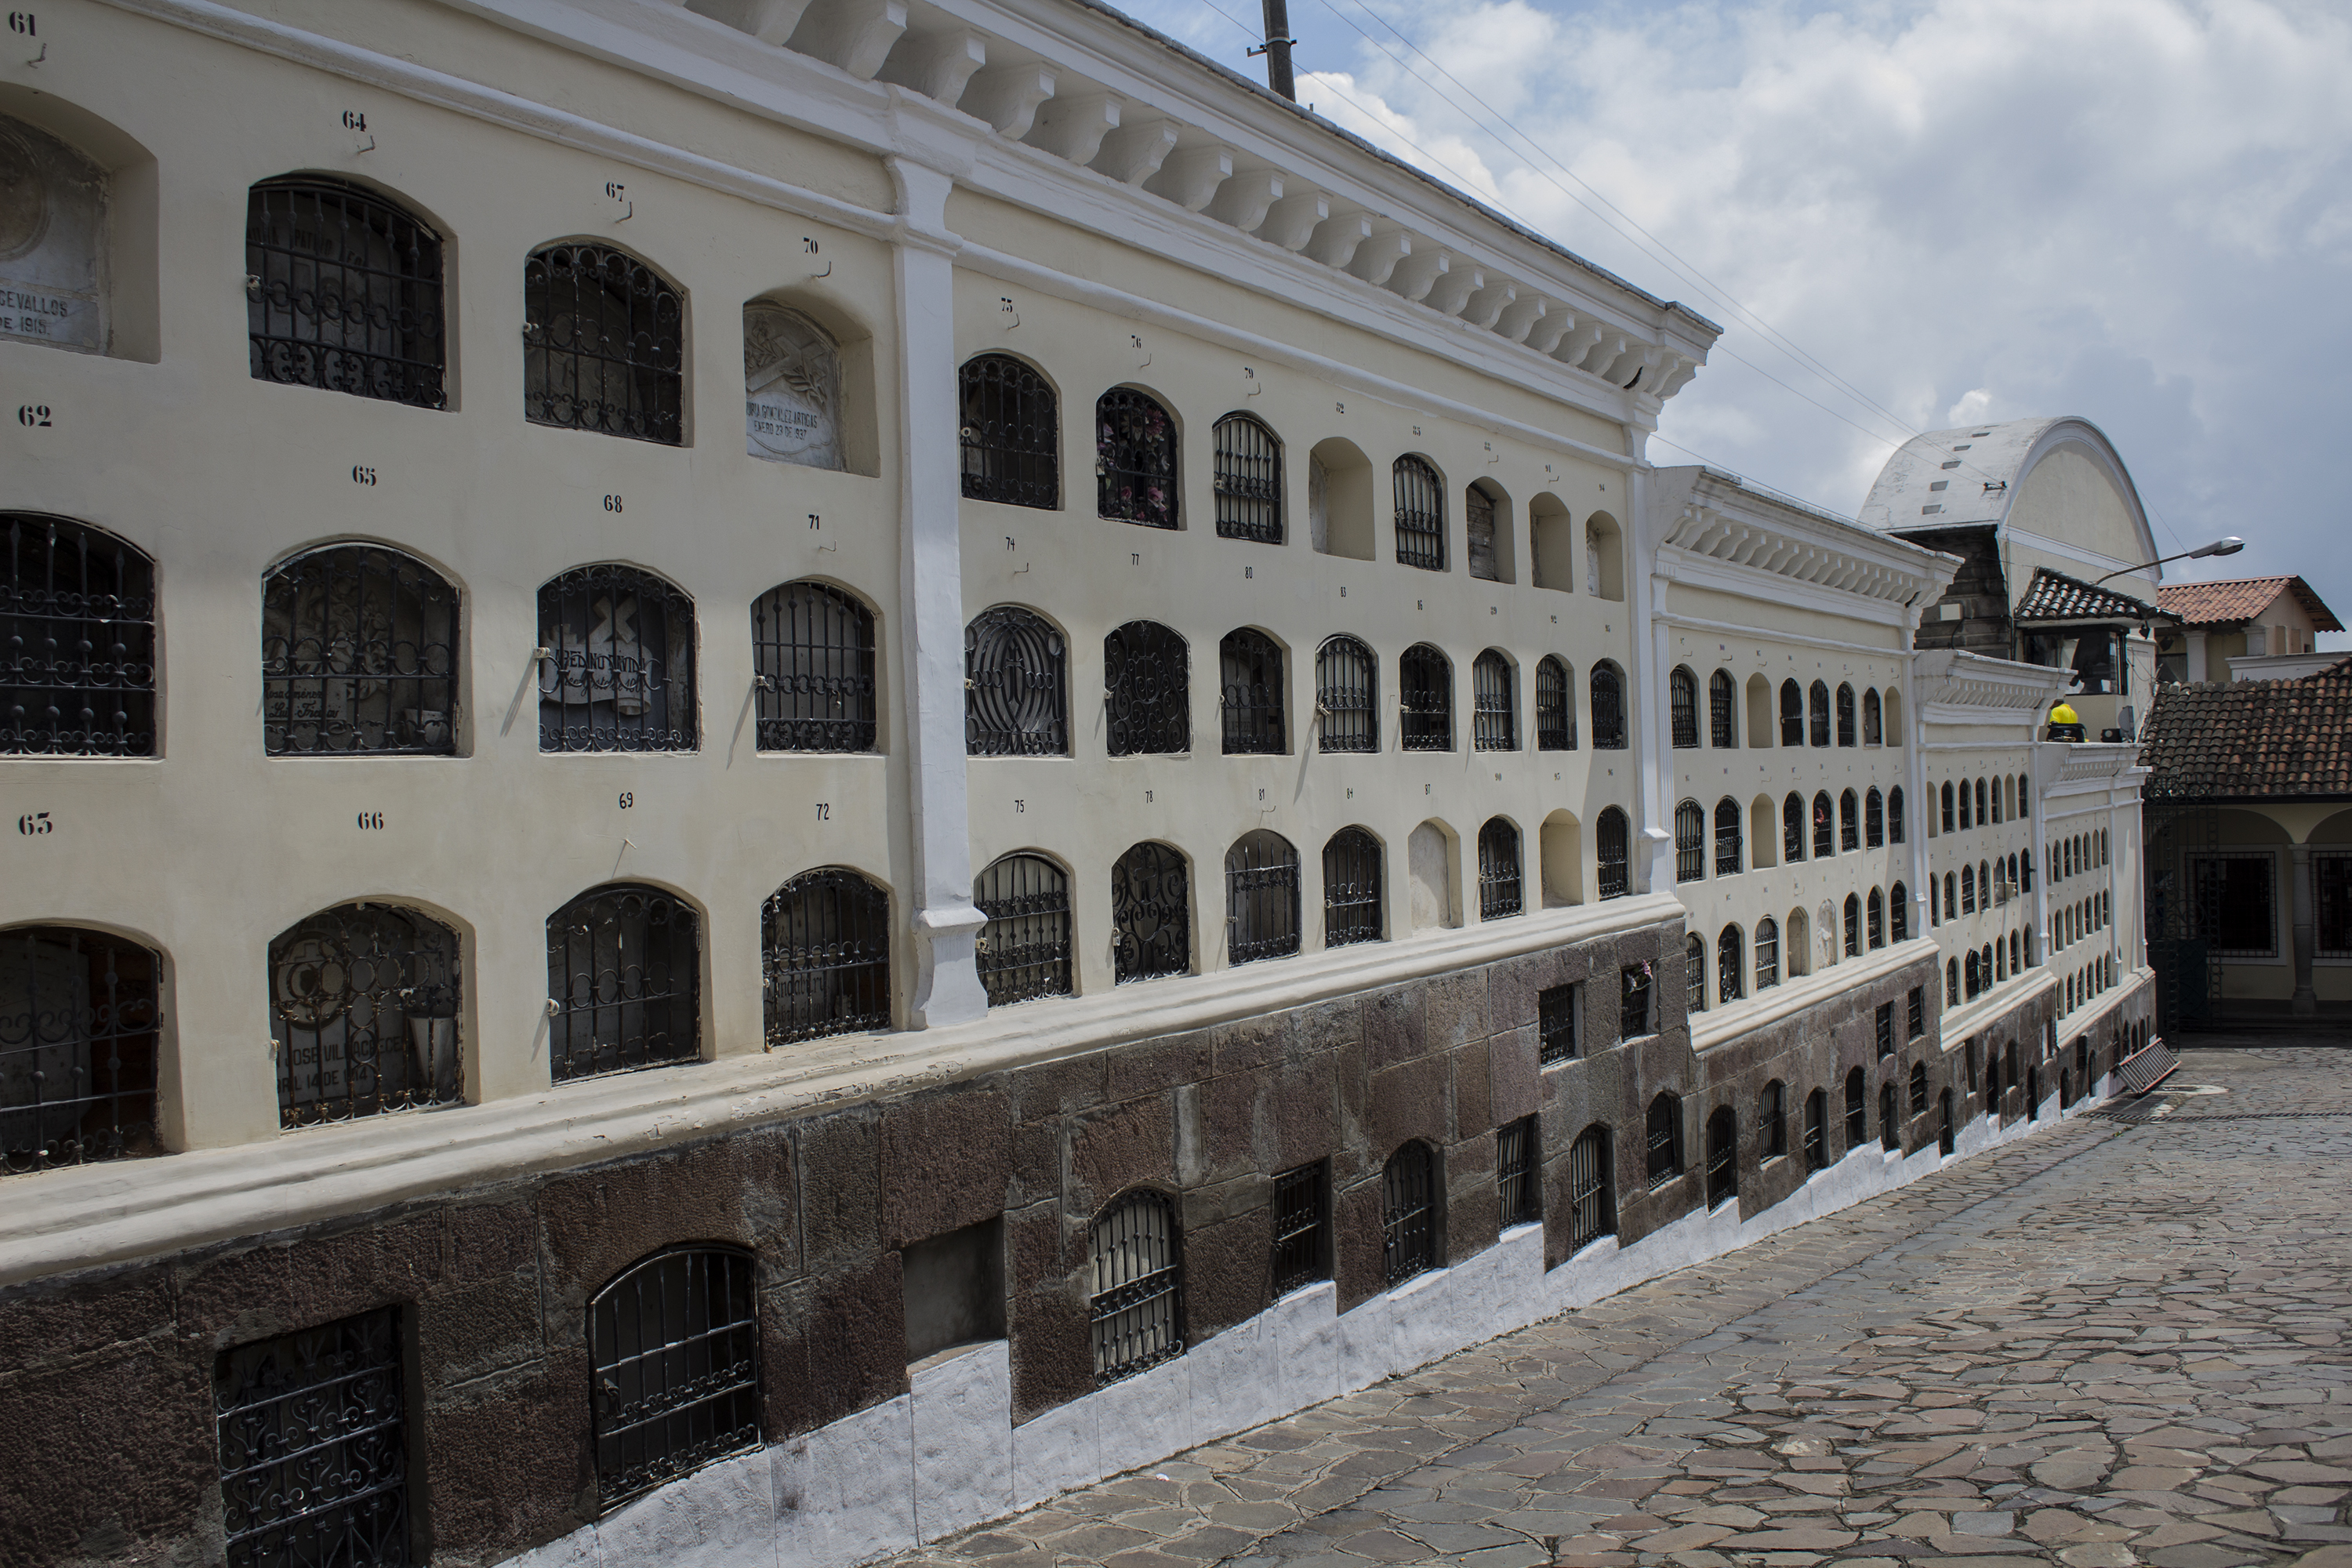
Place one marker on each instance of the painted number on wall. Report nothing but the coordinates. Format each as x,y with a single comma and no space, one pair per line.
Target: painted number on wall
362,475
629,799
824,810
33,415
21,23
611,503
371,821
33,824
355,121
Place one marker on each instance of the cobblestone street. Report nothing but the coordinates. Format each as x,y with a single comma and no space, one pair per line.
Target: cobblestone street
2118,1342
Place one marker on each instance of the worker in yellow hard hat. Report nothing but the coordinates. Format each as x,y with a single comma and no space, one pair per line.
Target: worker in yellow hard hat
2065,725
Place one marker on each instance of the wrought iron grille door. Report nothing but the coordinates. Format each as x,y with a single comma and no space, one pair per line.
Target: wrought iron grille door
1420,515
76,642
1498,870
1591,1212
1767,953
1301,1255
1250,666
824,957
1011,433
1857,1118
1690,841
1720,709
1665,1140
1025,947
1138,1277
1015,699
1817,1133
619,671
1494,719
359,653
1635,984
813,651
1555,719
343,291
77,1036
1722,1158
1351,888
1261,898
1731,849
1135,460
1682,705
604,344
1518,1171
1408,1214
1425,700
1611,833
1730,979
1346,696
1248,480
1556,1025
675,1343
313,1450
1608,708
1151,911
365,1013
624,982
1147,690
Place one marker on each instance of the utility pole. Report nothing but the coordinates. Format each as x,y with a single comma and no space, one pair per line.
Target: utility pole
1277,49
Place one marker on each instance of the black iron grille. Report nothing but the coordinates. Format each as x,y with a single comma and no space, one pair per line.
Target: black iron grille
1772,1121
1518,1171
1556,1024
1875,919
343,291
1025,947
1690,841
604,344
1301,1255
1248,480
1347,696
1898,914
1719,697
1722,1158
618,674
1729,850
1555,718
1635,982
1729,980
1011,433
1916,1020
1682,703
1135,460
1817,710
78,1020
1016,698
1857,1117
675,1346
1852,926
1845,723
1138,1299
1817,1131
313,1457
1665,1140
1148,691
813,652
1608,708
1873,819
1151,913
1261,898
824,957
1871,727
76,642
1894,828
1849,825
1351,888
1498,870
359,653
1493,708
1947,1139
1890,1135
1425,700
1792,829
1592,1210
1792,714
1768,953
1918,1089
1824,828
1883,1026
1610,833
365,1013
1694,972
1251,668
1420,515
623,980
1408,1214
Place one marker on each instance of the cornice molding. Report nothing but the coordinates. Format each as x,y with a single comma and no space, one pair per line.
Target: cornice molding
1712,528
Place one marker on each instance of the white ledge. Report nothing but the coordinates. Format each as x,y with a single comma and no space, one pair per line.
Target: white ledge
1763,1010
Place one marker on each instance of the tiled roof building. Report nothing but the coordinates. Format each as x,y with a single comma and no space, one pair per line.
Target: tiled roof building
2246,740
2054,597
2240,600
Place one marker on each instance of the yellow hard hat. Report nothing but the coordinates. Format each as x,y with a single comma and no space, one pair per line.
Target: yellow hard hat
2063,714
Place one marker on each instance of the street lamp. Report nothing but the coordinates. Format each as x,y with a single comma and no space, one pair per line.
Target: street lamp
2229,546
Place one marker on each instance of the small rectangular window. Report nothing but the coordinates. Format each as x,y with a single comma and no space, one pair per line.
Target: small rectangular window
1518,1171
314,1445
1634,1001
1556,1024
1302,1252
1886,1029
1918,1019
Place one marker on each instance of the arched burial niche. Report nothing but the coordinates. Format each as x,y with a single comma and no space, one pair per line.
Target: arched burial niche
88,599
1488,532
1554,559
359,653
603,343
1340,499
1559,846
1604,557
798,387
1760,712
824,957
674,1348
345,292
624,982
1429,865
65,187
80,1015
363,1014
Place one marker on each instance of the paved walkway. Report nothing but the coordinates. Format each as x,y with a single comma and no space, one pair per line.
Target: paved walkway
2111,1344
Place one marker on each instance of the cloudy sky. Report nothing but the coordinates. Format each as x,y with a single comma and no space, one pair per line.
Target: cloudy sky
1923,213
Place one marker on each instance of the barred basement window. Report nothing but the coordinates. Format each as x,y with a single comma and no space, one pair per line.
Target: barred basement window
1025,947
1916,1017
1682,700
363,1015
1611,833
1151,908
1772,1121
1591,1203
1890,1131
1694,972
1720,724
1872,731
1665,1140
1498,870
604,345
1817,1135
1555,710
1302,1249
1818,712
1722,1157
1261,898
1873,819
1608,707
1947,1139
675,1343
1968,889
1016,701
1420,515
1849,822
1556,1025
1857,1118
1518,1171
813,653
824,957
1351,888
313,1447
1425,700
1918,1089
1135,460
1824,827
1248,482
1876,915
1347,696
1898,914
1767,953
1251,668
1138,1301
1895,815
1730,970
1729,849
1011,434
1408,1214
343,291
1792,830
76,642
1494,725
359,652
619,671
624,982
1852,926
1633,986
78,1013
1147,690
1792,714
1690,841
1947,806
1846,727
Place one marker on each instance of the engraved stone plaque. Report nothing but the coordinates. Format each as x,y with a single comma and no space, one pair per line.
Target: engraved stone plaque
52,234
791,388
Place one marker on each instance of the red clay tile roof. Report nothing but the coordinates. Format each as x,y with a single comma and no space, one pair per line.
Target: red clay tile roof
2054,597
2242,739
2242,599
